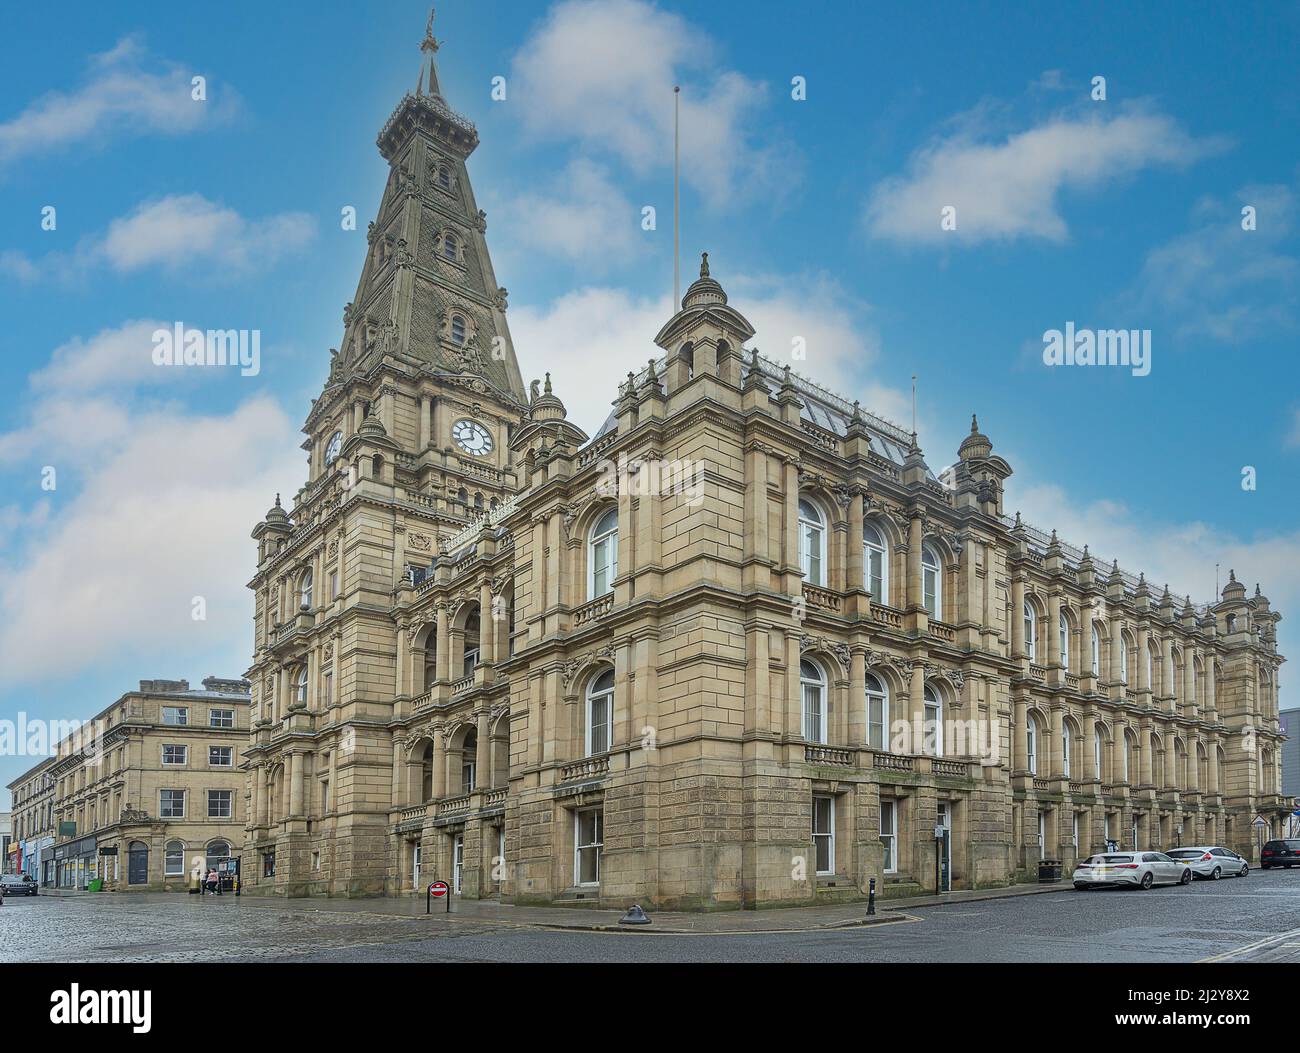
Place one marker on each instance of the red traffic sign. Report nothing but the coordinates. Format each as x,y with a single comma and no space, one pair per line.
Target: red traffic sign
438,889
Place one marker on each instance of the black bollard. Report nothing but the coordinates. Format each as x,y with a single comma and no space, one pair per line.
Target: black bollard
871,898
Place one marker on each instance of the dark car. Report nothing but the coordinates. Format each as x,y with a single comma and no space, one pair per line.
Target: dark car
1280,854
17,885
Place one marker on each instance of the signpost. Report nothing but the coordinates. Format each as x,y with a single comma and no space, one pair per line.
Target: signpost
437,890
1259,824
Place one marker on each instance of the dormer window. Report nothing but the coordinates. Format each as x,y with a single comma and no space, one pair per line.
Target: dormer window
444,177
450,247
457,329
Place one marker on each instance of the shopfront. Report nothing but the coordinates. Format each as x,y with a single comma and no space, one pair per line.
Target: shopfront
76,863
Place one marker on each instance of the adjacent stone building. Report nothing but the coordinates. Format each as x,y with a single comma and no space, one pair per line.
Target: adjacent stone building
741,648
150,789
32,795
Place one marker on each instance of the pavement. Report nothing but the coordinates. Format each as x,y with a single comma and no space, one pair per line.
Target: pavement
782,919
1253,919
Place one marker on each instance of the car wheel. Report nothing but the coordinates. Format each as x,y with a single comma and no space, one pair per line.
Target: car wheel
1218,873
1080,887
1186,878
1147,881
1245,869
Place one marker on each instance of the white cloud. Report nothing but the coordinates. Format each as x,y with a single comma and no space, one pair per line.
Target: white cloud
1009,188
1222,282
590,338
125,92
178,233
603,71
584,217
112,358
163,517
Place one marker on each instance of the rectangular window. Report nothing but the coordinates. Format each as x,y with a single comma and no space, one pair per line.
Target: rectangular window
457,861
876,575
327,690
315,860
174,756
471,660
221,718
588,840
812,712
171,804
334,584
221,756
876,721
220,804
174,860
268,864
1074,832
415,866
467,773
931,589
324,796
889,835
824,833
175,715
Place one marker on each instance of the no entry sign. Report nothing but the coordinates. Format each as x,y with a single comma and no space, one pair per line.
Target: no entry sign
437,890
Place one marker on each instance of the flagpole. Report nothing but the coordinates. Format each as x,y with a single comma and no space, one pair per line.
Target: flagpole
677,268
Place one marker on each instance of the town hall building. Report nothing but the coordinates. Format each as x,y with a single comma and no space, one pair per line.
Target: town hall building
797,661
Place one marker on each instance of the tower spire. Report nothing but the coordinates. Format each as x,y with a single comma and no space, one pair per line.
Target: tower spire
428,49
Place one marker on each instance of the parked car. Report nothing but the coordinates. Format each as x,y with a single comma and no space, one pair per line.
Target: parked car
1211,862
1131,870
17,885
1280,854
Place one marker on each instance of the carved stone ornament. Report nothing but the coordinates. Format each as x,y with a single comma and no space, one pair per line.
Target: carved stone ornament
571,666
420,542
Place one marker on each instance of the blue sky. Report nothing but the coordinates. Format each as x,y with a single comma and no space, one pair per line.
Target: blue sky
821,217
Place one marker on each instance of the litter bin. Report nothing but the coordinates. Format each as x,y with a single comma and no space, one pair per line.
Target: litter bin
96,885
1049,871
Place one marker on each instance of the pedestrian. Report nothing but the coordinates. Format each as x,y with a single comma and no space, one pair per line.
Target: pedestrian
212,882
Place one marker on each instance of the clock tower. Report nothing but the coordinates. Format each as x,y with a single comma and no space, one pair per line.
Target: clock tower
408,443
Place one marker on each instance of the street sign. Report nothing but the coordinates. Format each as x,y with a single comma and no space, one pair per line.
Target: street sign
437,890
1260,822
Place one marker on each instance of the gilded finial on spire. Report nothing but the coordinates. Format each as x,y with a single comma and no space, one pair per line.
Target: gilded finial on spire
429,43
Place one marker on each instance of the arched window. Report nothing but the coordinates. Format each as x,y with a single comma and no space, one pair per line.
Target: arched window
1097,754
1123,660
1031,632
444,177
457,329
602,555
1127,756
1031,744
1151,669
931,582
933,726
217,851
875,563
813,685
174,859
426,774
812,544
1096,651
1064,633
877,713
300,686
1157,761
469,762
473,631
600,711
1065,749
304,589
450,246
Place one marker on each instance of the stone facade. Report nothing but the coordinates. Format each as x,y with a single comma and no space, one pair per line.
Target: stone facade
742,648
154,779
33,822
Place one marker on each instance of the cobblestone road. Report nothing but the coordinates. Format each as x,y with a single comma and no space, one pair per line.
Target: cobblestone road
1251,919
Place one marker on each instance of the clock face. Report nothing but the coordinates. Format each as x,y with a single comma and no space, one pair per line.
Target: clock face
472,437
332,450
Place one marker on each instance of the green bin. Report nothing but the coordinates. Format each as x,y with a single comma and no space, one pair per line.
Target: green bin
96,885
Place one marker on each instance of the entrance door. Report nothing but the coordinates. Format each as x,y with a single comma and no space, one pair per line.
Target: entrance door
458,861
1042,835
137,864
944,846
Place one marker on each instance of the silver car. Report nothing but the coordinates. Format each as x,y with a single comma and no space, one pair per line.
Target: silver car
1131,870
1211,862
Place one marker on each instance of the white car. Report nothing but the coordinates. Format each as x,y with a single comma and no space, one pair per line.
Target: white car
1131,870
1211,862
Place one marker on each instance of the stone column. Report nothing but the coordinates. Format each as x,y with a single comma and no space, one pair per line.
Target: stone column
1143,654
296,783
856,715
258,774
1089,769
915,540
1115,653
487,624
1058,740
790,542
442,655
1019,648
916,699
1144,744
483,754
854,569
1020,742
439,780
1191,703
1168,683
1211,691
